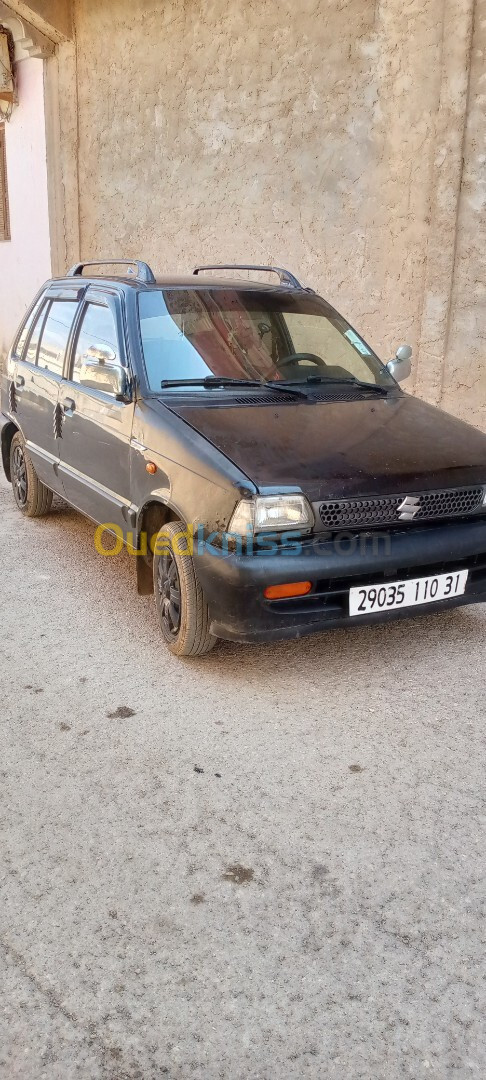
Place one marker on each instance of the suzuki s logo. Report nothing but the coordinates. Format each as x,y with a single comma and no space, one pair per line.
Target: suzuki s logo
409,508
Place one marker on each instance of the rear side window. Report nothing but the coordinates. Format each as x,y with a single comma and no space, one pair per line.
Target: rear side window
55,335
24,333
33,341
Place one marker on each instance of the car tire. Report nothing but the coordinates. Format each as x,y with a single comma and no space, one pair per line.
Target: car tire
31,496
181,607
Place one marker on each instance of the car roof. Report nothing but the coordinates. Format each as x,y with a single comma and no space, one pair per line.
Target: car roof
187,281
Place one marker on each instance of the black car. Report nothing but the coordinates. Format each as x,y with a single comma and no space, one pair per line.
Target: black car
249,447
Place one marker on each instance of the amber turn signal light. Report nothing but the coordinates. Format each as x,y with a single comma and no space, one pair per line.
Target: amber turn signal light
280,592
151,467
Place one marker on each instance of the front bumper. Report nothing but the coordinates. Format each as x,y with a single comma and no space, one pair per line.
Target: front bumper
233,584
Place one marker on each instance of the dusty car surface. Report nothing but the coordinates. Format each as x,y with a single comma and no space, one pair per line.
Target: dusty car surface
264,466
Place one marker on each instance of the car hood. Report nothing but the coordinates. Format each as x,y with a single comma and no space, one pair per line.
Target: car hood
340,449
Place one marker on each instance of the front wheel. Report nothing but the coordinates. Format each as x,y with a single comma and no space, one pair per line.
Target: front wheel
181,607
32,497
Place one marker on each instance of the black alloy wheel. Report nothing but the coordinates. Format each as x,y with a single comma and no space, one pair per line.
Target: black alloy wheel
181,608
170,593
32,497
19,476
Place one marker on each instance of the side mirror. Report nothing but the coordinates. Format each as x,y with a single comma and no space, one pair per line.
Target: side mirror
400,367
102,374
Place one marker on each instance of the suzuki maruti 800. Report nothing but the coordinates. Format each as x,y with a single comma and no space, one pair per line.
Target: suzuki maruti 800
247,443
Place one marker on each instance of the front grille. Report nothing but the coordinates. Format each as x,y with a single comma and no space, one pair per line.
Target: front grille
390,509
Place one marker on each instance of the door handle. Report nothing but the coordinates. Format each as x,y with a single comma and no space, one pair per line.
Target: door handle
19,381
68,405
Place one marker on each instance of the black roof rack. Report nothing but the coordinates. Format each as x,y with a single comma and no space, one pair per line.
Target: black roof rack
144,273
286,278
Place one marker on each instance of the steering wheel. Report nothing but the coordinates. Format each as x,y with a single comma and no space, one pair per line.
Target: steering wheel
295,358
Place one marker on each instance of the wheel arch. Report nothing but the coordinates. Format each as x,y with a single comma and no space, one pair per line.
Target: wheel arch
8,431
151,517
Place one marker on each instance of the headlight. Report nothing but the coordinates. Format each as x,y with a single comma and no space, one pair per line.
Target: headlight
273,513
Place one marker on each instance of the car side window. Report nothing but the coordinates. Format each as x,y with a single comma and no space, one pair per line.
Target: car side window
97,350
55,335
33,340
25,331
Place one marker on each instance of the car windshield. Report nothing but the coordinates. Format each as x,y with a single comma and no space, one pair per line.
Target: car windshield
275,336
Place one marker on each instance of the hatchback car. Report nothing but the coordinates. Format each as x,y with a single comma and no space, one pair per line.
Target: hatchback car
263,465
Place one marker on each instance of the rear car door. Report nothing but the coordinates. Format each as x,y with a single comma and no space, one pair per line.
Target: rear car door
95,448
37,381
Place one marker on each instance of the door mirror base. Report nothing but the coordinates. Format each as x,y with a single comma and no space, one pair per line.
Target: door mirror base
126,397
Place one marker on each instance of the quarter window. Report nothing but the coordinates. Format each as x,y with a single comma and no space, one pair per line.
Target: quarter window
55,335
31,354
24,333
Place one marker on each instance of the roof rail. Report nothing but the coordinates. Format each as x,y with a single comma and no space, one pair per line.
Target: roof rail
144,273
286,278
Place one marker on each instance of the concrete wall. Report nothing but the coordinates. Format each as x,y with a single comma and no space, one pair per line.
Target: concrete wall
342,138
25,260
464,374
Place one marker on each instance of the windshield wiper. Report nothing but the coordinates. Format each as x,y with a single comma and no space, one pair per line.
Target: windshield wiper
314,380
215,382
286,389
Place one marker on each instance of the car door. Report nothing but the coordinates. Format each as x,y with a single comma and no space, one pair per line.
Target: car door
37,381
97,426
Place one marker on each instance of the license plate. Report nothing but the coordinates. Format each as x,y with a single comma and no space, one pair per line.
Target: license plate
402,594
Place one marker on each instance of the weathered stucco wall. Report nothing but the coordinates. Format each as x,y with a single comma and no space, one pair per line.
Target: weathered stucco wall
326,135
464,375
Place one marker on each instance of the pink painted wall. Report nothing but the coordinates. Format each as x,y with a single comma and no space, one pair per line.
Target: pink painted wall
25,260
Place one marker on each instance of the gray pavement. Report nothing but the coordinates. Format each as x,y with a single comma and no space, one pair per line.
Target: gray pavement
267,863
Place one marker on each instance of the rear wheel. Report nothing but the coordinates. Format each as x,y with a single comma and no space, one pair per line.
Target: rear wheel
32,497
181,607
